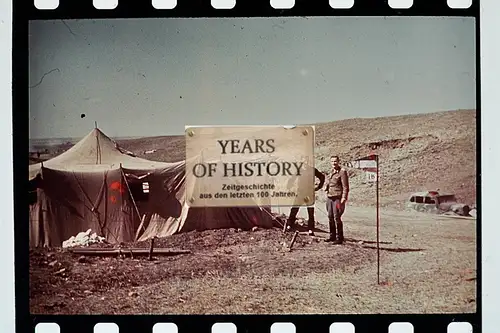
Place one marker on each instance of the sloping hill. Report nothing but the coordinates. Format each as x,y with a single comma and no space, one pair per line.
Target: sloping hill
417,152
158,148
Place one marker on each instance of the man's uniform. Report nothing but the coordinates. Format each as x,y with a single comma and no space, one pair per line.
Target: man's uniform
337,188
310,210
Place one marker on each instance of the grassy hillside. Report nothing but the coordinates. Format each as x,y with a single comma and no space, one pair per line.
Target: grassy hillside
417,152
167,148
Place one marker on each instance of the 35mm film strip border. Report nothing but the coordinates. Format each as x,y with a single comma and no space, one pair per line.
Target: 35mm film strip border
229,4
253,323
460,323
262,8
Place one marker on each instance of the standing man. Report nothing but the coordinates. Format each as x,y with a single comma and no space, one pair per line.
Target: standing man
310,210
337,190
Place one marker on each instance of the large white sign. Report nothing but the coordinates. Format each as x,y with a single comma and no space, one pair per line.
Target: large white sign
250,166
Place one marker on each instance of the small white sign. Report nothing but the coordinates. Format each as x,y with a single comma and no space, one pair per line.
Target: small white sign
371,177
145,187
362,164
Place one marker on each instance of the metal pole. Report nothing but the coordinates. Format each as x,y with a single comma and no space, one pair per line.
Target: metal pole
378,226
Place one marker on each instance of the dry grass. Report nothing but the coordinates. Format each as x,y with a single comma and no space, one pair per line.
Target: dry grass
428,266
428,262
420,152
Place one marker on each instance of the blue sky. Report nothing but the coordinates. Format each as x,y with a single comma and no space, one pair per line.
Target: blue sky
154,76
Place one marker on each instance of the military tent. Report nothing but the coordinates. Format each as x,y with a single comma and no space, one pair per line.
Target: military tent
98,185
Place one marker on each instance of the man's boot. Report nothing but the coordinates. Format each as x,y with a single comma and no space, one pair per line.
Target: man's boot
310,227
340,239
310,221
332,237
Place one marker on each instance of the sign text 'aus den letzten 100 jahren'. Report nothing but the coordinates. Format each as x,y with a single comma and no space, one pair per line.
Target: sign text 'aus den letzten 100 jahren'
250,166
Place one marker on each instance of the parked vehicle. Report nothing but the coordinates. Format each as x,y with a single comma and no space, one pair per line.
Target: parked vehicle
437,203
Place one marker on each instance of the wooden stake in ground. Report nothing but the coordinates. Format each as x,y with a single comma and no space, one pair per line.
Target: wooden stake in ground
294,238
151,248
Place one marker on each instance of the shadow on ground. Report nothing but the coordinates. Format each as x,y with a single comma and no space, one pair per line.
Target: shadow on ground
397,249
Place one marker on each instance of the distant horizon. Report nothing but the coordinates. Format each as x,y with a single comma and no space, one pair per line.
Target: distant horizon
77,138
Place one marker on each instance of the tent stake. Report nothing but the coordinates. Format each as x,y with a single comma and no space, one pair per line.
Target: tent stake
151,248
294,239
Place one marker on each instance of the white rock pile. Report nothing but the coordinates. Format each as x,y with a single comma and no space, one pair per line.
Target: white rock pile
83,239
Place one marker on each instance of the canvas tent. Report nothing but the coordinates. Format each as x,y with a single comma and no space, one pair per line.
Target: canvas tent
97,185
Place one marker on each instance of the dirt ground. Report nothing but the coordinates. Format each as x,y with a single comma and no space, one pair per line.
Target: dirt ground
428,265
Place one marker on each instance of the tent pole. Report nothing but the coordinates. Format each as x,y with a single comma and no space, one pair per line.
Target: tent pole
378,224
121,186
130,192
141,226
98,150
